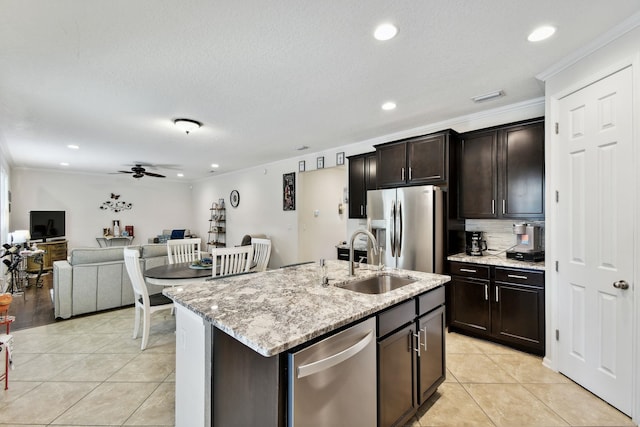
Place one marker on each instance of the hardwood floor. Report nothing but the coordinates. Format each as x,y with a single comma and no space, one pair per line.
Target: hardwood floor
34,307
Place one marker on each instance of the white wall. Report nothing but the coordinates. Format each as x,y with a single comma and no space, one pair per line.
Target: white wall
157,203
321,227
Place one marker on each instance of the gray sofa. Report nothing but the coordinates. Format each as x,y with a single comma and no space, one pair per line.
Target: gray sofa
95,279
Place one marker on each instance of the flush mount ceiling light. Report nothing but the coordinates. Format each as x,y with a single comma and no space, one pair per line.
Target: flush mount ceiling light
541,33
388,106
488,96
215,165
385,32
187,125
73,147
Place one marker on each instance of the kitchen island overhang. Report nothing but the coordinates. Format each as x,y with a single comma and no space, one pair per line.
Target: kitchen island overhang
274,312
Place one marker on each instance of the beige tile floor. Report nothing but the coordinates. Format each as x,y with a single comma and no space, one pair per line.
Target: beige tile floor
89,372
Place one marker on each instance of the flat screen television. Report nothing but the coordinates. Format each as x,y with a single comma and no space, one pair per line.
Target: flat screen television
46,224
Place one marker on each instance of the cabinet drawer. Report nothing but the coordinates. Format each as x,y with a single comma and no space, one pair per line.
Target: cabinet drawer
470,270
430,300
521,277
395,317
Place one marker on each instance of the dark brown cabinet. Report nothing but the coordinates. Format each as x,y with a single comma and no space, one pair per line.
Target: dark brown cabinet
418,160
411,361
499,303
343,255
362,177
502,172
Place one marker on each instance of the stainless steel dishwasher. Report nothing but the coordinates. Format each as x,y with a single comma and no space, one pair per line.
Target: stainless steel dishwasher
333,382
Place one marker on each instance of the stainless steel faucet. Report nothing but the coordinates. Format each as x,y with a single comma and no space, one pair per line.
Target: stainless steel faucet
374,243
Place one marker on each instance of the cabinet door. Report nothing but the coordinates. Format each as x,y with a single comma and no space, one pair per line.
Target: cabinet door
431,360
357,191
370,173
518,315
522,171
478,175
426,160
470,306
395,377
391,165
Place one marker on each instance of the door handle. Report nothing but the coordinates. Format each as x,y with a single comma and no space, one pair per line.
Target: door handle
497,293
621,284
486,292
333,360
410,174
399,238
424,344
417,337
392,231
402,174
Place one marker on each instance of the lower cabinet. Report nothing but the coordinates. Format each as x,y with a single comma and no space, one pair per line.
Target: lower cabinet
343,254
411,363
503,304
53,251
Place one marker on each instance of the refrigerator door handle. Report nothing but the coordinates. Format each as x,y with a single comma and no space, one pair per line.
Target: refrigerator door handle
399,238
392,231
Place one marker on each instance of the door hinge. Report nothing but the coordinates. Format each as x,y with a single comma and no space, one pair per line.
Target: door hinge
557,266
557,196
557,128
557,335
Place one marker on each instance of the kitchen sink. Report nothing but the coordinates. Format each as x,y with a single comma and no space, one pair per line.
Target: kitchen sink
379,284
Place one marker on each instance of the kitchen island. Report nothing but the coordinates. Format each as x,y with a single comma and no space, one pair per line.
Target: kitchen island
234,335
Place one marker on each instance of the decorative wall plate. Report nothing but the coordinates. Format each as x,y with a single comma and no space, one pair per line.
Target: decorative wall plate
234,198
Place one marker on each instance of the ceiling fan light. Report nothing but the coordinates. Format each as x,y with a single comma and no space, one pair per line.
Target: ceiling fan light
385,32
187,125
541,33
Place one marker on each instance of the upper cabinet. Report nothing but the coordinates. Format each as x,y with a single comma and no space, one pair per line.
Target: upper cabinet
362,177
418,160
501,172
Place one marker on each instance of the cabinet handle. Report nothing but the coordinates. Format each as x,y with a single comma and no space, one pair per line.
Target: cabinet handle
468,270
486,292
516,276
410,173
424,344
497,293
361,210
402,174
493,206
417,337
504,209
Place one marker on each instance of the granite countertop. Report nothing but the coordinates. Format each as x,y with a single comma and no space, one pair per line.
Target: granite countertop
500,260
277,310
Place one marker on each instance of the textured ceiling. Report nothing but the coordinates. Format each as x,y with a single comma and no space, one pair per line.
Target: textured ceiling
262,77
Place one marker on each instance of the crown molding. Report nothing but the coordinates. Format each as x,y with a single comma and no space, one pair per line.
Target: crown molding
614,33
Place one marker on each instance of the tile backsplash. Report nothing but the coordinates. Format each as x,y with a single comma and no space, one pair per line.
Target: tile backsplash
497,232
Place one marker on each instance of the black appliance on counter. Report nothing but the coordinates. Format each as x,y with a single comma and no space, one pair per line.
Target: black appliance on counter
475,243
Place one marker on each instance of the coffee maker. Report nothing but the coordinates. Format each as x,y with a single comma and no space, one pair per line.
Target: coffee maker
529,245
475,243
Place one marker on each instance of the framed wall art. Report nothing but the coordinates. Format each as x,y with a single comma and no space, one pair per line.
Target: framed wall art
320,163
340,158
301,166
289,191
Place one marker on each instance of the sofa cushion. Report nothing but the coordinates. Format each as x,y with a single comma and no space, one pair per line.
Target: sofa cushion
154,250
95,255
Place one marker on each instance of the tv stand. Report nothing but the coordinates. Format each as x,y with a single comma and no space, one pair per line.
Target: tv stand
54,250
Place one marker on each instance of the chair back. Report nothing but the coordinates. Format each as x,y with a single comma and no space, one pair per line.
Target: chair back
183,250
261,253
231,260
132,264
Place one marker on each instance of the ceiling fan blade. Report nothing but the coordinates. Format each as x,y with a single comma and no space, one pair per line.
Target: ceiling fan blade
157,175
125,171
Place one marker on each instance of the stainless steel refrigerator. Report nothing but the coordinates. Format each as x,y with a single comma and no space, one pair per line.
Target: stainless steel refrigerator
408,223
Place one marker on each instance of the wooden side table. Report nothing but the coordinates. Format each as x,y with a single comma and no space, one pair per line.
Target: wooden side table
6,320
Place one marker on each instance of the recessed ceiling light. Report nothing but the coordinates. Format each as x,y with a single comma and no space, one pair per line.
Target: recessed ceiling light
385,32
73,146
180,175
215,165
64,164
187,125
541,33
387,106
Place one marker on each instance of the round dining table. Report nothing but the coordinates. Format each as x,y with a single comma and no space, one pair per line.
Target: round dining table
176,274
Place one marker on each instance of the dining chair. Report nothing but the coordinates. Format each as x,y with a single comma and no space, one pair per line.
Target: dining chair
183,250
234,260
261,253
144,303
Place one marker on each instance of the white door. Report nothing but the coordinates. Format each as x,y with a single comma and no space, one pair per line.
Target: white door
595,235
